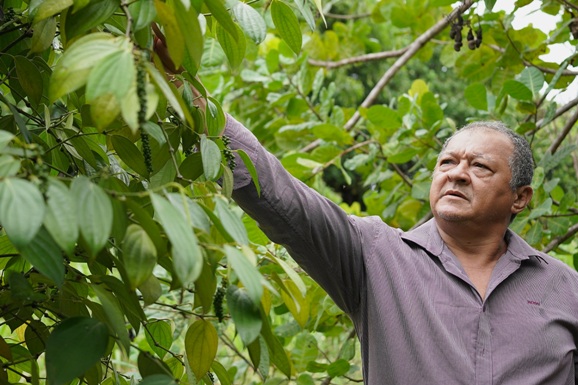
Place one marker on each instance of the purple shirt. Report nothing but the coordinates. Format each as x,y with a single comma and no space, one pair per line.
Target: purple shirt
417,314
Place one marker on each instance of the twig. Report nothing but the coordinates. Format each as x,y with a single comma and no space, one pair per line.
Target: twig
559,240
346,17
530,64
124,6
171,151
411,50
404,177
232,346
562,110
358,59
319,169
309,105
565,131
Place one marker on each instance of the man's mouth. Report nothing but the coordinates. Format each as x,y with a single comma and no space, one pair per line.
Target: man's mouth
455,193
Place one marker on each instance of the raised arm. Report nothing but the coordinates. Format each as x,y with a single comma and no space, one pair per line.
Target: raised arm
318,234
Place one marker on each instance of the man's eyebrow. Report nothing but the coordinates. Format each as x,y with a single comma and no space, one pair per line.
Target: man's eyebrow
475,155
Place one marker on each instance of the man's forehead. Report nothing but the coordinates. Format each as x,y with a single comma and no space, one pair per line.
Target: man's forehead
479,142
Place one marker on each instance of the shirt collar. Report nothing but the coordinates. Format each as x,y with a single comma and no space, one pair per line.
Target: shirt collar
427,236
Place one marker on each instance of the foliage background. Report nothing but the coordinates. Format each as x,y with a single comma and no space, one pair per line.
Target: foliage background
124,261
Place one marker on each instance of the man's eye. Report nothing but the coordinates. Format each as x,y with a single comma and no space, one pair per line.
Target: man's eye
445,161
480,165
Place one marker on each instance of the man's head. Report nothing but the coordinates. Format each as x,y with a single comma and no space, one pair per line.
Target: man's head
482,176
521,161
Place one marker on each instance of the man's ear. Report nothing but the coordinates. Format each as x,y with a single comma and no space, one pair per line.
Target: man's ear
522,198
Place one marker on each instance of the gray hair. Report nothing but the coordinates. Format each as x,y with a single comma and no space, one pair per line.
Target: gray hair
521,162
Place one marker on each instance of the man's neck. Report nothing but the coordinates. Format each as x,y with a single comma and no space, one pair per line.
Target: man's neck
472,245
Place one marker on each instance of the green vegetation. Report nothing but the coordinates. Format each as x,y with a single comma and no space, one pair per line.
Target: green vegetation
122,258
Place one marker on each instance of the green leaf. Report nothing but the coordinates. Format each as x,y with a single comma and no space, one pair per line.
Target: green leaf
305,10
95,214
221,373
544,208
251,168
129,302
114,315
159,336
192,167
245,313
476,95
489,4
251,21
338,368
187,256
43,253
233,48
5,138
143,12
383,116
170,92
48,8
113,75
534,235
151,290
43,32
231,221
219,12
130,154
320,10
201,343
21,210
174,36
93,14
74,346
191,211
139,255
277,354
158,379
287,25
517,90
60,219
211,155
36,334
30,79
8,166
188,23
73,68
532,78
247,273
215,117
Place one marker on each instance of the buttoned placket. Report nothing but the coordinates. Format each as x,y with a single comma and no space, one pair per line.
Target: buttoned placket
506,266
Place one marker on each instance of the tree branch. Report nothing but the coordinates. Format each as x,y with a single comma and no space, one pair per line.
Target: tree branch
357,59
411,50
562,110
558,241
346,17
530,64
565,131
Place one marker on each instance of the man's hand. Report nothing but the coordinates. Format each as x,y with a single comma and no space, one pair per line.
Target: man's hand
161,50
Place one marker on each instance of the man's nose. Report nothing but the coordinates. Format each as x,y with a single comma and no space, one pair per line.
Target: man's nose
459,173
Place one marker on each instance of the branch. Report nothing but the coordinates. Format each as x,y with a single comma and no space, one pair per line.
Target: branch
411,50
358,59
562,110
558,241
565,131
530,64
346,17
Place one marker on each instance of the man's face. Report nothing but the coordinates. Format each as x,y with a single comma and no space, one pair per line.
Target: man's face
471,181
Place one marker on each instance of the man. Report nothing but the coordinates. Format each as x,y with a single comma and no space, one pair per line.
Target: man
459,300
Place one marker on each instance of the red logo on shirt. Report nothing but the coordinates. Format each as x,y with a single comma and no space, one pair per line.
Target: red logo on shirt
533,303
